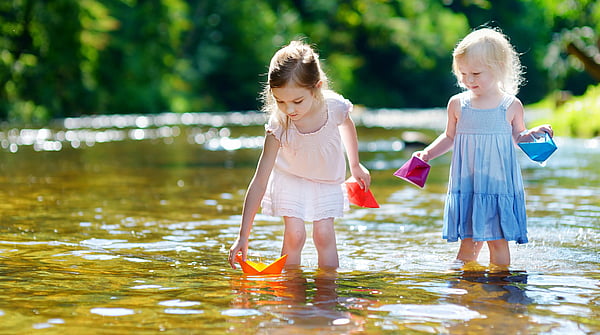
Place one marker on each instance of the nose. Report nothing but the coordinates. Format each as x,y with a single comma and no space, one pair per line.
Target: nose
289,109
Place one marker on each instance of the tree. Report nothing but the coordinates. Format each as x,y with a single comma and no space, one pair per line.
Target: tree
39,67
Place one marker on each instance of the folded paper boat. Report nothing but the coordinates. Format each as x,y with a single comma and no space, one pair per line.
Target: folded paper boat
360,197
414,171
253,268
539,149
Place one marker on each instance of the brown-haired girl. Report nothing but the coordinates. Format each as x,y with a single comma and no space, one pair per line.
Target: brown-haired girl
301,171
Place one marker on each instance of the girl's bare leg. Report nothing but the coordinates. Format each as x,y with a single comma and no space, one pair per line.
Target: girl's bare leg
293,240
325,242
469,250
499,253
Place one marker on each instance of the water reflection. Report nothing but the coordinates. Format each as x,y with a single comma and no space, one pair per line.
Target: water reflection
294,303
500,296
507,286
89,130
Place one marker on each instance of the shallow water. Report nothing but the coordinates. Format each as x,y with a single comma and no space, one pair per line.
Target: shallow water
122,224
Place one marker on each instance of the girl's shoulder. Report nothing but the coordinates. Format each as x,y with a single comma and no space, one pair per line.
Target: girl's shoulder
462,99
459,97
457,101
334,99
514,107
275,126
337,106
513,101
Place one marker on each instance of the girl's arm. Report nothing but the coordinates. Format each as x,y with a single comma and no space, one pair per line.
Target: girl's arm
517,120
350,140
254,195
444,142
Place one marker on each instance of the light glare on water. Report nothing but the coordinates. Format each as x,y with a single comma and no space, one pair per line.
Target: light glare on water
121,224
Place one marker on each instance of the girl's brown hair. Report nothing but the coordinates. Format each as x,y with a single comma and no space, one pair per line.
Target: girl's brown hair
294,64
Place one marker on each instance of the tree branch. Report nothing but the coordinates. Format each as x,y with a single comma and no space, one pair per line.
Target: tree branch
590,65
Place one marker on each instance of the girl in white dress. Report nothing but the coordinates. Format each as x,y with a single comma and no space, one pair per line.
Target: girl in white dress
301,171
486,199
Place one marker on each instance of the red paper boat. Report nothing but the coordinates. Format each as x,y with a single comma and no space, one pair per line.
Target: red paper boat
415,171
253,268
359,197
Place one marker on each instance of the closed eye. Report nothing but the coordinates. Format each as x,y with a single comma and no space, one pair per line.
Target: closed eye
297,102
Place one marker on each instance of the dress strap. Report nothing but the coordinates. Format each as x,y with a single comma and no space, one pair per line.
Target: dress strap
507,101
465,100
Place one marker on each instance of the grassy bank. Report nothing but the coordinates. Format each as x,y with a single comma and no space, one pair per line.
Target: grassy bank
577,116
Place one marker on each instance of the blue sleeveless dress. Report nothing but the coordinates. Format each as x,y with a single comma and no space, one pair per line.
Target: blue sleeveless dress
486,199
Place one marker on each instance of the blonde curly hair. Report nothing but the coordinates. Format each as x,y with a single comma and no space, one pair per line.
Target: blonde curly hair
492,48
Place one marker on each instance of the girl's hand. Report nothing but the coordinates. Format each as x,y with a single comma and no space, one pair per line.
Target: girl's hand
545,128
235,249
423,155
362,176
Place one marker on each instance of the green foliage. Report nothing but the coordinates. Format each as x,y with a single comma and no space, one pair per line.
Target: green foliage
575,22
579,116
386,53
136,65
562,67
73,57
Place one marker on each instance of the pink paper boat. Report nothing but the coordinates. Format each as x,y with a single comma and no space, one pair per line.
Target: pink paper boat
414,171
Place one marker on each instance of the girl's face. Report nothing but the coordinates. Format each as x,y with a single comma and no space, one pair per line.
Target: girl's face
477,77
294,101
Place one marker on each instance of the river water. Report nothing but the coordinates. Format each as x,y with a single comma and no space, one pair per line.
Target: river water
122,224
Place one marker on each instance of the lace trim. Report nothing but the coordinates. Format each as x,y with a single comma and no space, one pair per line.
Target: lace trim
306,217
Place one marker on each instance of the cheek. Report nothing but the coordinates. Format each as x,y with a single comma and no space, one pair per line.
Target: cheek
305,105
308,103
282,107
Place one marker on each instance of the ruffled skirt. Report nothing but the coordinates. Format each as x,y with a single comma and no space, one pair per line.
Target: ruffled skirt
485,217
289,195
486,199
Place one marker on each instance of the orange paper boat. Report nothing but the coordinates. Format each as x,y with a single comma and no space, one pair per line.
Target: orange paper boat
253,268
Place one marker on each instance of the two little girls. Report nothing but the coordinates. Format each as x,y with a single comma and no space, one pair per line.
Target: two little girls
301,171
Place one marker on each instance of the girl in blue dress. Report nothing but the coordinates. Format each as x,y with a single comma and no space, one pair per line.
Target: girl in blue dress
485,200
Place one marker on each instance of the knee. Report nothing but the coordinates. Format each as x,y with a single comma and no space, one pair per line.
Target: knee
323,241
295,239
324,238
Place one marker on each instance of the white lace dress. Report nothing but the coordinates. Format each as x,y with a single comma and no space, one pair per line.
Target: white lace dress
308,178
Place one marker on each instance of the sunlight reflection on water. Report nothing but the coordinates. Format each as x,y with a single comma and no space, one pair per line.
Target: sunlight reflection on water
127,231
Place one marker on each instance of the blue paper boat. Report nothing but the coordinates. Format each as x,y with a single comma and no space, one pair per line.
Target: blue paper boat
540,149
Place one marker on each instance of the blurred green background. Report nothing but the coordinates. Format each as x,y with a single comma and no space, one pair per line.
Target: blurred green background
61,58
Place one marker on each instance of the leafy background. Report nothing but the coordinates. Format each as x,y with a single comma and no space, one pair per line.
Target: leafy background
62,58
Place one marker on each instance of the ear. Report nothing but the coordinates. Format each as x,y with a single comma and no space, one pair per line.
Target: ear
316,90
